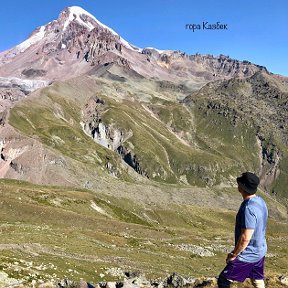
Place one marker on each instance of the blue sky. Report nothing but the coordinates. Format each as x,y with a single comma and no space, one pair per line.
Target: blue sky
257,30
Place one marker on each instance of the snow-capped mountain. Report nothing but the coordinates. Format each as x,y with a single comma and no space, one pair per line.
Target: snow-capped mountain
77,42
86,19
67,17
52,49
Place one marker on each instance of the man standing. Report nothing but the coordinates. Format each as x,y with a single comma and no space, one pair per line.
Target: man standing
247,258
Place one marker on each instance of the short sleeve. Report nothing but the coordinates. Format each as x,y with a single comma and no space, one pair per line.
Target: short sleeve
250,219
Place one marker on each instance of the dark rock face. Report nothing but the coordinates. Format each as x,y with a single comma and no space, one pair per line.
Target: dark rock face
174,281
34,73
109,136
82,43
17,167
131,160
88,45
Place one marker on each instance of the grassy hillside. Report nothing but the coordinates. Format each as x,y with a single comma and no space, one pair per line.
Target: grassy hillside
172,143
53,232
256,106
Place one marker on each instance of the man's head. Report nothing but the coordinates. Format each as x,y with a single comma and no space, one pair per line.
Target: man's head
248,182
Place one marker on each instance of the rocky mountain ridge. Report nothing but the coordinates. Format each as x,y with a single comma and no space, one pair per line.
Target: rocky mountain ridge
77,38
77,43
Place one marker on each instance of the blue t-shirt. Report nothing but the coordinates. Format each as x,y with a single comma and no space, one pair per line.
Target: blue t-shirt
252,214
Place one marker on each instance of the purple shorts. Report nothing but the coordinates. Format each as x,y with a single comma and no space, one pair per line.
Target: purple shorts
237,270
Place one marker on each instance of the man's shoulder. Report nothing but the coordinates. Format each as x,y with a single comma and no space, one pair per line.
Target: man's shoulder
259,199
256,203
252,204
256,199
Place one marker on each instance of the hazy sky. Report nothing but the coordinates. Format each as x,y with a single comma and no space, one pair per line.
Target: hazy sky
257,31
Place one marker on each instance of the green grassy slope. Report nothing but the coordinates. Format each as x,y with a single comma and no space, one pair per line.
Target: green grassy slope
255,107
172,143
57,227
59,232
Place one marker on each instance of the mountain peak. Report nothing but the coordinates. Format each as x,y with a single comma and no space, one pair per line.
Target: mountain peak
79,10
85,19
76,13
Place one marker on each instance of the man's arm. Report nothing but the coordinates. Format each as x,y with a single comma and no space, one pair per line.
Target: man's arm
244,239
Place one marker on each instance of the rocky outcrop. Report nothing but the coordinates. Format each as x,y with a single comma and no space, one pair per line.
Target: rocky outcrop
109,136
131,159
208,67
270,157
226,66
284,280
8,158
138,280
14,89
6,281
25,86
34,73
224,110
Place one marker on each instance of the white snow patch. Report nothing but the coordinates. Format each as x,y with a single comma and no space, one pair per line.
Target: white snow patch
32,40
158,50
135,48
51,22
76,12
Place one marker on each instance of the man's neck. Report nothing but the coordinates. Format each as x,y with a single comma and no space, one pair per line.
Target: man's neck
247,196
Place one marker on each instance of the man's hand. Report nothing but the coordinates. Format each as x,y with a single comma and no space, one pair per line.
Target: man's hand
245,237
230,257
